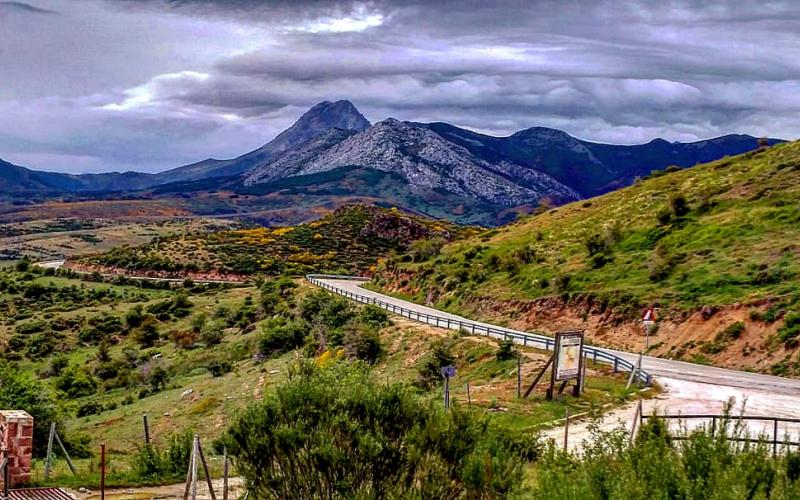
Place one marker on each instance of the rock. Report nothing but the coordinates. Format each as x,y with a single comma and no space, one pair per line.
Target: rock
708,311
187,393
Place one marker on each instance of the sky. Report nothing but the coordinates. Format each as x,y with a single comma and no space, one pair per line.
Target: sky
147,85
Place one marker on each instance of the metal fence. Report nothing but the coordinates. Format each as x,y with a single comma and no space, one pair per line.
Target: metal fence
718,422
474,328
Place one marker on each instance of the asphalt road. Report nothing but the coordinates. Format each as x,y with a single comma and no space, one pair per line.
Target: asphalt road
658,367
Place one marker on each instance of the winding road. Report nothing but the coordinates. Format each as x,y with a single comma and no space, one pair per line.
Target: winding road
689,389
659,367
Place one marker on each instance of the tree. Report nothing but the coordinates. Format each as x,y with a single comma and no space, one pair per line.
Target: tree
21,392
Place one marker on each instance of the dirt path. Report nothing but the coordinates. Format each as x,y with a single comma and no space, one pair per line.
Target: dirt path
682,397
163,492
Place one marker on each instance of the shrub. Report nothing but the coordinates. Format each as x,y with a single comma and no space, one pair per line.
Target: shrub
425,249
147,333
363,344
76,382
678,205
430,369
374,316
506,351
280,336
732,332
790,330
333,433
212,333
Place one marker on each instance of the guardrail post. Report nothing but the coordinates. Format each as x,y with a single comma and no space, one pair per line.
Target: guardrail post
775,437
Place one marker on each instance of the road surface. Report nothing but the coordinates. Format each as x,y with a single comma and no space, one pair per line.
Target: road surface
659,367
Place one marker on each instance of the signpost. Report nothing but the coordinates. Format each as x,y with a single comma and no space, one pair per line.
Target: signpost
648,320
447,372
567,364
568,361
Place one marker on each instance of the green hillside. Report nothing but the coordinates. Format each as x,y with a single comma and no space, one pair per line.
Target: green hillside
348,240
722,233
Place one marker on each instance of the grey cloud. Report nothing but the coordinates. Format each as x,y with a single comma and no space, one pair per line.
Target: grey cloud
112,84
23,8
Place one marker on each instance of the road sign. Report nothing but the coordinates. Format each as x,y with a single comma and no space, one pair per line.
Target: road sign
448,371
568,355
649,316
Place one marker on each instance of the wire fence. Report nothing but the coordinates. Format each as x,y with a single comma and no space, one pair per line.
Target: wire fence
594,354
778,432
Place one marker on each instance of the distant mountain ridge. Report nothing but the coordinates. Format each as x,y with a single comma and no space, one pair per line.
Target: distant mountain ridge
426,165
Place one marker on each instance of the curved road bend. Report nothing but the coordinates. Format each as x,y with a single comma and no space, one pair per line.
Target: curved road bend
659,367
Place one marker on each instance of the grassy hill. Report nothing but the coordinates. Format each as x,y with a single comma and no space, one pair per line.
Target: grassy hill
716,246
349,240
95,356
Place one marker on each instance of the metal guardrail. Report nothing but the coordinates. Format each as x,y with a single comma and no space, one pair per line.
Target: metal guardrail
724,420
474,328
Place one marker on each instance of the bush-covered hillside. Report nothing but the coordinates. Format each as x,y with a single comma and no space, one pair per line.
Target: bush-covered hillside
718,234
350,240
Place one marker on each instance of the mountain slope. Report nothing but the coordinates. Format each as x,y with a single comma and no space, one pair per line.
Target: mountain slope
588,167
314,122
426,160
713,246
348,240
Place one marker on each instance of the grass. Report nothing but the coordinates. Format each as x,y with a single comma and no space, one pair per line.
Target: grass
214,401
734,239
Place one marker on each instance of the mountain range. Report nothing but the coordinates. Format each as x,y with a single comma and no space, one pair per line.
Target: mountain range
435,168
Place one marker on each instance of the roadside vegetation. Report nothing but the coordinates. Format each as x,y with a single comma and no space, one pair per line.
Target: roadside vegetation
95,354
695,240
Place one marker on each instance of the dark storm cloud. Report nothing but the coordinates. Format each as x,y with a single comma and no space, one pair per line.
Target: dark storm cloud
22,7
153,83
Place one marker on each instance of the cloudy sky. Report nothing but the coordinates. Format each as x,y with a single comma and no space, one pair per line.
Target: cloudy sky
101,85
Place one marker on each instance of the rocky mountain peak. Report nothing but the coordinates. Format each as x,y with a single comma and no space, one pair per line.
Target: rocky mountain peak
321,117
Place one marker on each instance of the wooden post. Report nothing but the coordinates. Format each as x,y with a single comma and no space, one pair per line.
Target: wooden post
103,471
539,376
146,430
637,367
519,375
195,476
447,392
636,417
49,460
469,396
66,455
189,475
225,473
205,470
566,429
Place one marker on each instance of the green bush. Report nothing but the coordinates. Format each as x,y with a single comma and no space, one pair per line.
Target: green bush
430,368
790,331
280,336
374,316
705,465
76,382
334,433
506,351
363,343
